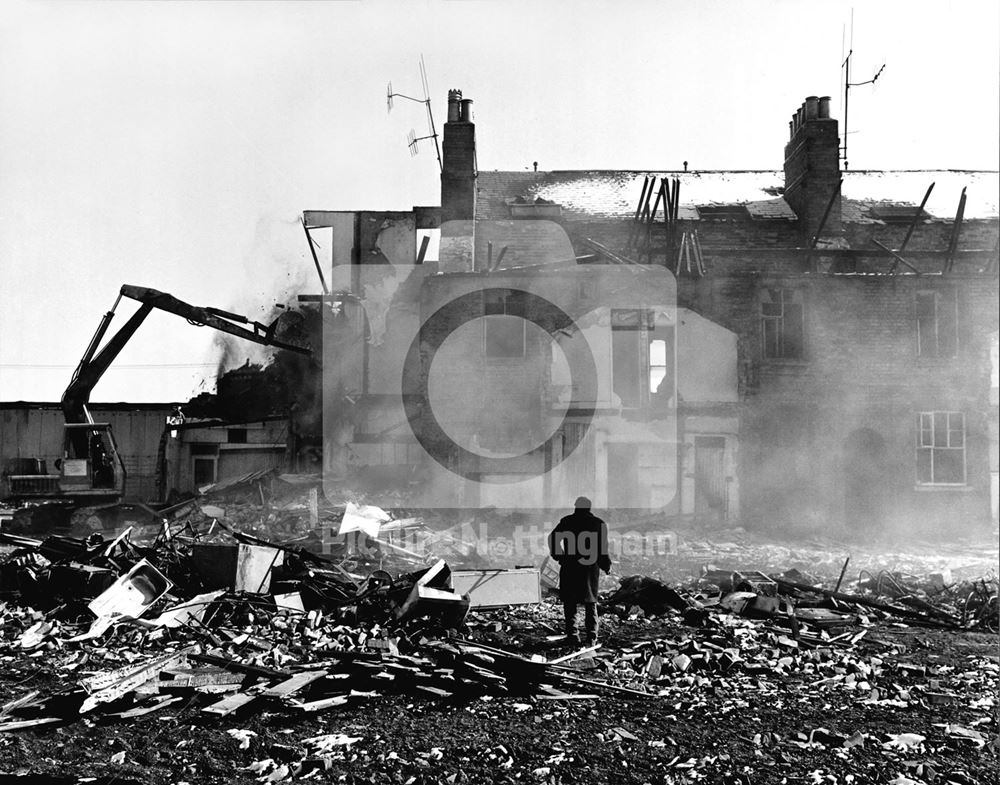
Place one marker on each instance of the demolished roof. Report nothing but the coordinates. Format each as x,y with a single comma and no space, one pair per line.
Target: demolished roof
614,195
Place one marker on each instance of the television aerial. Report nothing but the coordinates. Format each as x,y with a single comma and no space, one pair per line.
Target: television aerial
848,84
412,139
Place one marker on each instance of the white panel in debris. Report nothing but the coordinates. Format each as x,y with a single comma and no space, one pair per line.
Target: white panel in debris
363,518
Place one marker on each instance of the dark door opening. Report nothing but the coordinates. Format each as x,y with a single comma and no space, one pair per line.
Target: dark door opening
710,477
864,480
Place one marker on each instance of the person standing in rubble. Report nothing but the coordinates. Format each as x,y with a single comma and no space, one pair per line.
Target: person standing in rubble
579,543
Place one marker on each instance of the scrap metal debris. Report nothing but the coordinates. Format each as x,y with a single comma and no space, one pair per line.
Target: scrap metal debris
215,619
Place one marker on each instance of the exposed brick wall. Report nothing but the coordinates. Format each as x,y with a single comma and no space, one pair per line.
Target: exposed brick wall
979,234
458,175
729,235
812,169
860,370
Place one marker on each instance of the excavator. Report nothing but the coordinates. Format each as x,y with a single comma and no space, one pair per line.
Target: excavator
90,477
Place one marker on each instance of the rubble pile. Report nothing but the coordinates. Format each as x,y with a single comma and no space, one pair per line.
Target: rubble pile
231,618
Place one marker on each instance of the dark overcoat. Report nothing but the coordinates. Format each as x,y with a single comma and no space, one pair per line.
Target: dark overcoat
579,543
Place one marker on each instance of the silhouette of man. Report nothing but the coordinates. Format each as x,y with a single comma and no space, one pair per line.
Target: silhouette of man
579,543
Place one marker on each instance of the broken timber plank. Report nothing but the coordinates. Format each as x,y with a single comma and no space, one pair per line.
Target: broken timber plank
574,655
435,691
228,705
191,677
552,693
22,724
955,233
905,612
24,700
140,711
603,685
834,197
294,684
896,256
234,665
321,704
111,686
216,689
915,220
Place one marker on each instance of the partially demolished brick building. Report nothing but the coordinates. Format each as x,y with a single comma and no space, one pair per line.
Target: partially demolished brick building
812,347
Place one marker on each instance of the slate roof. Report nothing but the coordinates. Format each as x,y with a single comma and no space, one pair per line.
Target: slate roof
614,195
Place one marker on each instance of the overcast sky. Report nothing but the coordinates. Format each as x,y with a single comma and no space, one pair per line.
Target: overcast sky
174,144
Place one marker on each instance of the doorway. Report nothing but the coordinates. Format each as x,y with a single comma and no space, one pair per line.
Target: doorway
864,480
710,477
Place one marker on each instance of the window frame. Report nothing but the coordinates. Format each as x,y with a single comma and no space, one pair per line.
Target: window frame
927,433
642,322
946,297
786,297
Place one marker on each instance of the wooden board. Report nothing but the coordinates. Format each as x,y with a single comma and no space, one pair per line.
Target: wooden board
294,684
22,724
140,711
111,686
323,703
229,704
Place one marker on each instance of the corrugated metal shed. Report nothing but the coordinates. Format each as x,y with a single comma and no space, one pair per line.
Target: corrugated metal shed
35,430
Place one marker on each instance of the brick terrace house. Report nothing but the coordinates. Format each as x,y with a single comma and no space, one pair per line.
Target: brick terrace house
816,353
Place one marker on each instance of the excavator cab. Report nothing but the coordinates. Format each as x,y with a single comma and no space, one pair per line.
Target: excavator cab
88,477
91,465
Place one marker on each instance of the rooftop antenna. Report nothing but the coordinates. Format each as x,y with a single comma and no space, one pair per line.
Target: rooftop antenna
411,138
848,84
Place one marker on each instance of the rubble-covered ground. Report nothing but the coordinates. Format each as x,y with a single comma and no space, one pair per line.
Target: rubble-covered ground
721,678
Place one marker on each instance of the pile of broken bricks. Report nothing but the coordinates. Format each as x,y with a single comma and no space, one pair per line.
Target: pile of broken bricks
287,630
232,679
238,626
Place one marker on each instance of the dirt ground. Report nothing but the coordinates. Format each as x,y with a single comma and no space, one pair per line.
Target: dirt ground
901,703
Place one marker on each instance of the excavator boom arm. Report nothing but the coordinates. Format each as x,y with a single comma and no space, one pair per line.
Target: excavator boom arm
212,317
95,363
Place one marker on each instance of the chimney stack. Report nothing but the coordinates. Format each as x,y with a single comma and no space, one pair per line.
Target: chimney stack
458,164
458,186
812,166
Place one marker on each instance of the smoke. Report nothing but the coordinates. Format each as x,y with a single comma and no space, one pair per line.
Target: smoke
287,384
277,268
253,381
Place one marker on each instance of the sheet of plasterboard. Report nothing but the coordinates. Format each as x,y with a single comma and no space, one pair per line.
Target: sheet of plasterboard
488,588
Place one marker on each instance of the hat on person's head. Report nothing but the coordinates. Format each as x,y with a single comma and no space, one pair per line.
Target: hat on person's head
582,503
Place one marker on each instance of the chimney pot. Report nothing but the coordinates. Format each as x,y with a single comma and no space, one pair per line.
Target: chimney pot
454,109
812,167
466,112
